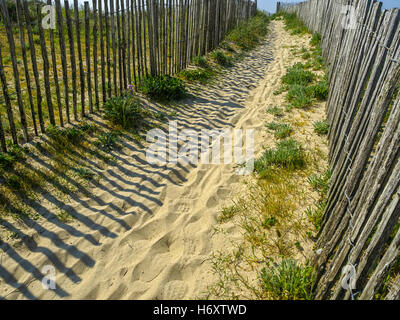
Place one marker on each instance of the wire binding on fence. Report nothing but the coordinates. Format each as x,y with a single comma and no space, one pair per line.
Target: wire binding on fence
348,198
380,43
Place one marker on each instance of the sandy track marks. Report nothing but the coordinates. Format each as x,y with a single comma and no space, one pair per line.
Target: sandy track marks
146,230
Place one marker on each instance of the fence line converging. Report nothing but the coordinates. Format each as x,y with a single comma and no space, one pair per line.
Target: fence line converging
360,227
96,52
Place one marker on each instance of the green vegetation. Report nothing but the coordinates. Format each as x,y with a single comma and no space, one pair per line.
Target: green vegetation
221,58
315,40
293,23
200,75
270,222
63,138
227,46
319,90
318,62
297,75
281,130
227,213
125,111
394,271
266,217
288,154
201,62
320,183
249,34
15,153
316,214
268,214
64,216
301,88
108,140
298,96
288,280
321,127
84,173
12,9
275,111
163,88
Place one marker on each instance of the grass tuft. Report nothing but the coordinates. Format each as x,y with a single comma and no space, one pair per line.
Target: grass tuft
297,75
320,183
221,58
15,153
107,140
228,213
315,40
163,88
319,91
288,280
84,173
288,154
298,96
200,61
125,111
200,75
275,111
281,130
316,214
321,127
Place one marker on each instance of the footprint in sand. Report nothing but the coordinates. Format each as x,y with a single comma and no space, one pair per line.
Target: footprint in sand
174,290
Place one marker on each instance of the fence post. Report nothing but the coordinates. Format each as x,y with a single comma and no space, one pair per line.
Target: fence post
23,51
95,66
7,102
34,65
87,49
55,73
11,44
60,24
45,68
81,71
72,58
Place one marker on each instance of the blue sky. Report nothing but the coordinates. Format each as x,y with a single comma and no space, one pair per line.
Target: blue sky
270,5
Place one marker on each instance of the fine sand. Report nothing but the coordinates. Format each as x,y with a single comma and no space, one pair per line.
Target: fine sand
147,233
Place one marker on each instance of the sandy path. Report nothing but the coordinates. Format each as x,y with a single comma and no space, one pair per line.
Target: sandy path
148,231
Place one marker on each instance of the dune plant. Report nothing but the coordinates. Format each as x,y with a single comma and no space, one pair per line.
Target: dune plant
275,111
125,111
221,58
288,280
319,90
298,96
288,154
200,75
163,88
294,24
200,61
249,34
321,127
281,130
297,75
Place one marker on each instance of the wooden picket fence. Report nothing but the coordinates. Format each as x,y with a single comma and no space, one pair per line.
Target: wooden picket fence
113,46
360,229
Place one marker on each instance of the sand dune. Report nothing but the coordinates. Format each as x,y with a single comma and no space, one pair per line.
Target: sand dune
148,231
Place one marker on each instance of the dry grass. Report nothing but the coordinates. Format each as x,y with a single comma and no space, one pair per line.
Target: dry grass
272,214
